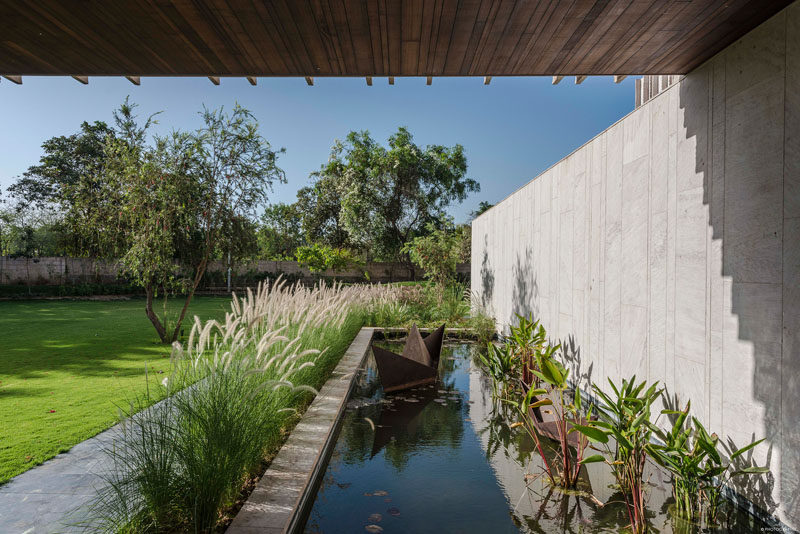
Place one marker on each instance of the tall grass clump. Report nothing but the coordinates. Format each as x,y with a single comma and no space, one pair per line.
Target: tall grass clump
233,390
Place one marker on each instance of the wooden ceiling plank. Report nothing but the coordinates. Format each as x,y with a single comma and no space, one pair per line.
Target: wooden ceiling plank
589,20
330,35
537,29
492,33
426,28
518,22
393,29
411,33
637,32
563,27
308,29
466,17
475,36
595,43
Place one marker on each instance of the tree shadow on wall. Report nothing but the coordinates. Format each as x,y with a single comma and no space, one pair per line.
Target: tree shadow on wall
487,276
571,352
525,295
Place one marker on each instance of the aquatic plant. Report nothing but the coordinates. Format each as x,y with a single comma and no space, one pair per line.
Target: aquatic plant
698,471
626,418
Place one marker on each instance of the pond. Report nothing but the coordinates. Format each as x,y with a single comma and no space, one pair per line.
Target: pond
443,458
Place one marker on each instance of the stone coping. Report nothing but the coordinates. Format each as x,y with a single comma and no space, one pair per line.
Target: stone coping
282,497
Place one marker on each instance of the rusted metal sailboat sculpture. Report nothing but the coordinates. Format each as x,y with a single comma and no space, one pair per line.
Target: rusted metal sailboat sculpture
417,365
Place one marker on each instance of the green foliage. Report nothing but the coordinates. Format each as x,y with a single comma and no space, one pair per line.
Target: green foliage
437,253
320,258
626,418
88,357
379,198
180,465
483,207
280,232
429,307
167,208
698,470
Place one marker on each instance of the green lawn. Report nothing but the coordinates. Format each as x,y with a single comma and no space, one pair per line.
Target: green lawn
65,367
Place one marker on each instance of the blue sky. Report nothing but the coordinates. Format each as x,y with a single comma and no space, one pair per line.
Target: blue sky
512,129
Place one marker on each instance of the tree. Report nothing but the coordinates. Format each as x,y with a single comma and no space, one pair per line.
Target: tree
319,258
437,253
384,197
281,231
181,201
66,160
483,206
320,206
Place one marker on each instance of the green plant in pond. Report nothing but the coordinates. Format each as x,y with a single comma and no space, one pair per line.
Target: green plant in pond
499,363
626,418
566,414
698,471
529,339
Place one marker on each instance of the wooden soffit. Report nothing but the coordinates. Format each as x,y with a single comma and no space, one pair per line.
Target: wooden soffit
369,37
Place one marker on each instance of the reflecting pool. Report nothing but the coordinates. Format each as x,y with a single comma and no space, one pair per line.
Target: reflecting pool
443,458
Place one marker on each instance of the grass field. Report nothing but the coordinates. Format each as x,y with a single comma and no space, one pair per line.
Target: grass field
65,367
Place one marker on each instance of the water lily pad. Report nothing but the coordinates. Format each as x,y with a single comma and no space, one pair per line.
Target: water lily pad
375,518
393,511
380,493
368,494
373,528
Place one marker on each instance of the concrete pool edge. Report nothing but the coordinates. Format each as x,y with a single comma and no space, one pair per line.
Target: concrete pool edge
280,499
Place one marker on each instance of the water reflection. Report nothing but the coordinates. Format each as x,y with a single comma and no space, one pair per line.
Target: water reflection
443,458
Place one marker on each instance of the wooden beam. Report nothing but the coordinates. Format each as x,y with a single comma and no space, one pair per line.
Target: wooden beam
310,80
579,79
391,80
369,80
252,79
82,79
429,80
487,80
618,79
14,79
214,79
557,79
135,80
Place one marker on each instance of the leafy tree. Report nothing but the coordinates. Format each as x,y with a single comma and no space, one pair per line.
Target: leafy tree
281,231
483,206
437,253
319,258
173,205
320,206
384,197
67,159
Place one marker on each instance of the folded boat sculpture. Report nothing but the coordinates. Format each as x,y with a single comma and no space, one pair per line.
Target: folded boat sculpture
417,365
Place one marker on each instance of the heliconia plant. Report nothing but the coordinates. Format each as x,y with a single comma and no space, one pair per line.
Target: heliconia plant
626,418
698,470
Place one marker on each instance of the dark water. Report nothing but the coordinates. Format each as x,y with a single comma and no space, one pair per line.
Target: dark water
442,458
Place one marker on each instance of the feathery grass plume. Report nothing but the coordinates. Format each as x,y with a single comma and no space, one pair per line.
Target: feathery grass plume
232,390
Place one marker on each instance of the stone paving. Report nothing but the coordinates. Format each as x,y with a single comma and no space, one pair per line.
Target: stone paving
51,498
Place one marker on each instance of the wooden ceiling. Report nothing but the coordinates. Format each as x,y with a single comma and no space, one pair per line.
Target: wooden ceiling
369,37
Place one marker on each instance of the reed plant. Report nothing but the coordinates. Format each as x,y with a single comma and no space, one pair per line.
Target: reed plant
234,388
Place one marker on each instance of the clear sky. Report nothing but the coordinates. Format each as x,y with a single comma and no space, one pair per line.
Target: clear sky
512,129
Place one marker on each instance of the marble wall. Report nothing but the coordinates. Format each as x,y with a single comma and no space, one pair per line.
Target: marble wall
669,247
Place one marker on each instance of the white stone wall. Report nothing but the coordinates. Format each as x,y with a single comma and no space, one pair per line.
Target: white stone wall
669,247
